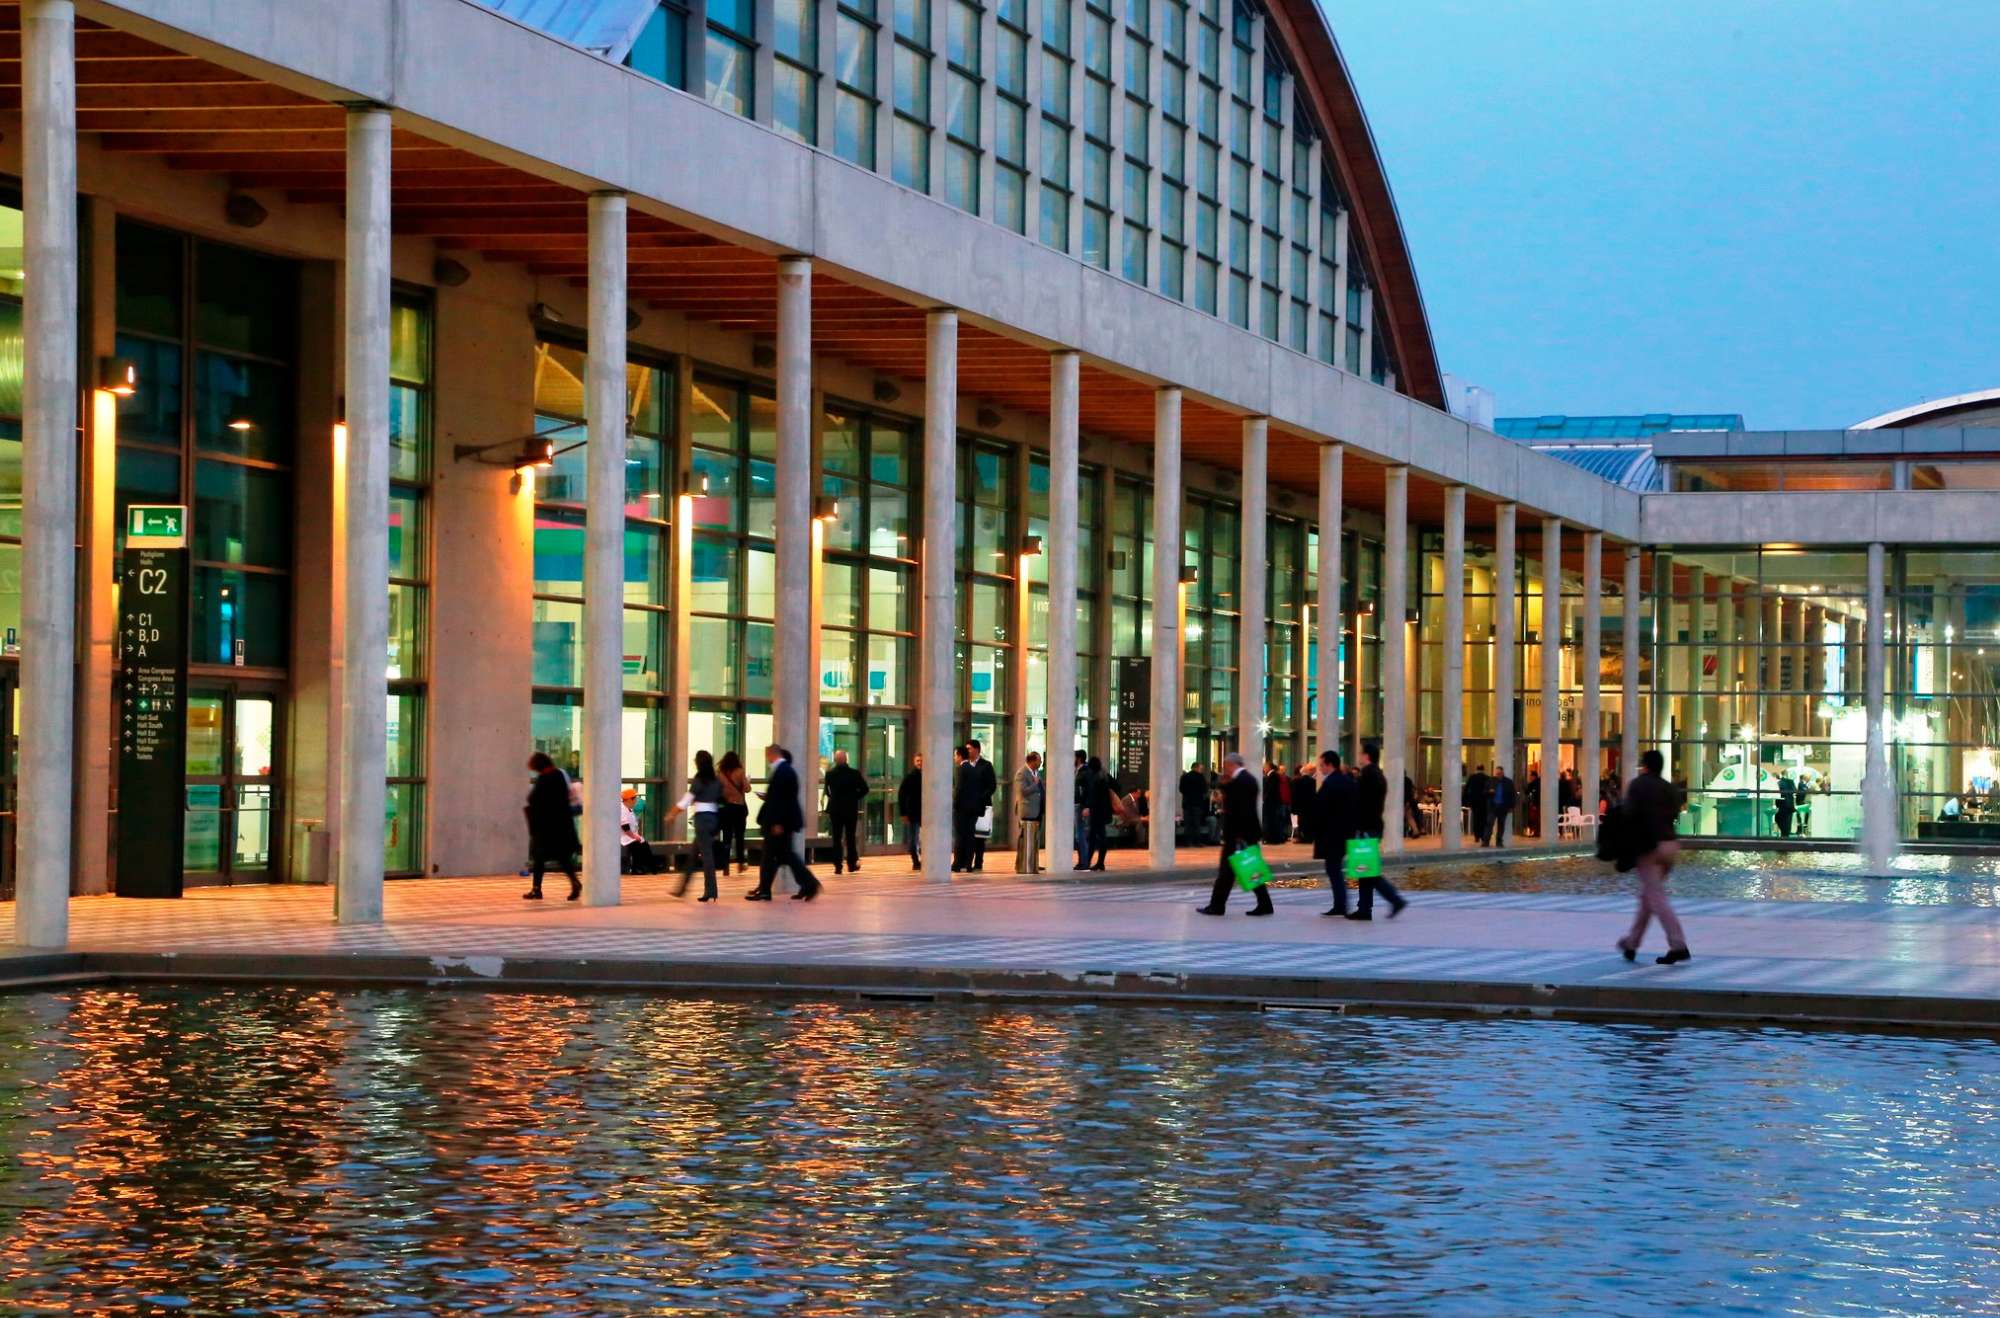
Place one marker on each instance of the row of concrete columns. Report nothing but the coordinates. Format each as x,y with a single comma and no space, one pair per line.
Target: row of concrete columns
51,392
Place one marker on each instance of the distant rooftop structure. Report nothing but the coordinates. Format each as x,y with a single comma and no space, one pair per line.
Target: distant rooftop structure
1538,428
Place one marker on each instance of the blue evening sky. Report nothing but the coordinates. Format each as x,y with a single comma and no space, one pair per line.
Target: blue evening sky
1784,208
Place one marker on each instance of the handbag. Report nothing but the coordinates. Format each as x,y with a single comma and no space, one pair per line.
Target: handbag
983,826
1363,859
1251,869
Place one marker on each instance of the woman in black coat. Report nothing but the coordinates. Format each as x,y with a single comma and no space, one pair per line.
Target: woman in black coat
552,838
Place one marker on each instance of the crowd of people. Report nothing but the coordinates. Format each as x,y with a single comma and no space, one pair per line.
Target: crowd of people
1330,806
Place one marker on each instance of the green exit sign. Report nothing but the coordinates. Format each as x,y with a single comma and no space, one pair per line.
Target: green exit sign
156,526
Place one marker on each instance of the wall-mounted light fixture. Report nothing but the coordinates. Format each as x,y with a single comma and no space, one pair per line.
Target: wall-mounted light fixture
989,418
826,509
1031,546
885,391
118,375
541,313
1367,609
763,355
537,450
1188,576
449,273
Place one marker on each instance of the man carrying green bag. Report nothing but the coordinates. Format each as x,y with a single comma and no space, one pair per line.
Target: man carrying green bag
1365,849
1242,860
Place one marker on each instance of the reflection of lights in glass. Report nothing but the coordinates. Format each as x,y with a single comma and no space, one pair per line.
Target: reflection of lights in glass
1194,631
240,425
1263,727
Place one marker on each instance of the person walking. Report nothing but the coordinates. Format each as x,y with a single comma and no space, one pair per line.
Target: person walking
702,803
910,805
1531,804
1079,826
1503,805
1650,807
845,788
1194,804
732,820
782,818
972,794
1099,791
552,838
1333,823
1240,829
1305,800
1028,816
1277,803
1371,795
1478,801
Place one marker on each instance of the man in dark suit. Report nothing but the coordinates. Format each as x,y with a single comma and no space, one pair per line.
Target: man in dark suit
781,818
844,787
1333,824
910,804
1240,829
971,794
1478,801
1371,794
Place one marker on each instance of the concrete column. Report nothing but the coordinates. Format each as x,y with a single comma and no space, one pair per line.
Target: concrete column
937,702
1328,616
364,691
1163,790
1253,574
1451,756
1590,662
793,674
48,473
1878,791
1059,760
1506,627
1552,530
1395,648
1628,750
604,552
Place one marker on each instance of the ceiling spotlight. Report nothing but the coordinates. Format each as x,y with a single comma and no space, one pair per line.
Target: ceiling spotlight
885,391
989,418
449,273
244,211
633,319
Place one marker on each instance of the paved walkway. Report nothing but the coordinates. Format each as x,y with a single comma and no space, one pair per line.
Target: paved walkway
1092,937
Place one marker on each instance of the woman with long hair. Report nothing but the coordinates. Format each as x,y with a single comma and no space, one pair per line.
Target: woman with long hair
734,816
703,802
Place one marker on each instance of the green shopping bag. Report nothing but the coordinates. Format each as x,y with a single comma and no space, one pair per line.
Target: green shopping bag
1364,858
1251,869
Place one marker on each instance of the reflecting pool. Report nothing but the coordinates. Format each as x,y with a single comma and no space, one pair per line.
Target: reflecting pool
218,1150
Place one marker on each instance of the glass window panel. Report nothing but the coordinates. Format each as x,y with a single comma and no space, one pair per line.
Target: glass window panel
645,653
150,288
406,632
912,156
242,515
1055,217
854,129
795,29
854,53
245,301
961,108
1010,198
557,626
1010,66
558,552
240,617
913,20
1055,153
889,600
243,408
736,15
961,176
406,533
840,595
792,102
1055,85
729,73
713,656
962,35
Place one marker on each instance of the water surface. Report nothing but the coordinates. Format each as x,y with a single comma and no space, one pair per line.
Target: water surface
252,1151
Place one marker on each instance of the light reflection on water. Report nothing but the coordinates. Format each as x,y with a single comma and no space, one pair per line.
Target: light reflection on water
238,1150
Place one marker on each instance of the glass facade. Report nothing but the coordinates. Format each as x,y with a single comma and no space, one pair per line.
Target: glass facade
409,577
1166,142
557,723
869,596
990,632
733,451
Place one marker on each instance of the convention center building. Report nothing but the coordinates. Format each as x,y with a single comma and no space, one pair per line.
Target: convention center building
394,388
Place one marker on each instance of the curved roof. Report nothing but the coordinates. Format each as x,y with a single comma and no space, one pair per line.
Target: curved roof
1957,410
1327,85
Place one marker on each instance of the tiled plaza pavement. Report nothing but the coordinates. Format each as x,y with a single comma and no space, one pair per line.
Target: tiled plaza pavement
1105,936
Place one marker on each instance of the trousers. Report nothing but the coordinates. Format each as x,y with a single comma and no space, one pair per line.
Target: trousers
846,842
1653,903
1028,848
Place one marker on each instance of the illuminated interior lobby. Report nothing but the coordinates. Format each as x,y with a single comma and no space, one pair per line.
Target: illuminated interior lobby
621,380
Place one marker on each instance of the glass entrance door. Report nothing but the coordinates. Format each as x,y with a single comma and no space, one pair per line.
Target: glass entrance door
232,784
